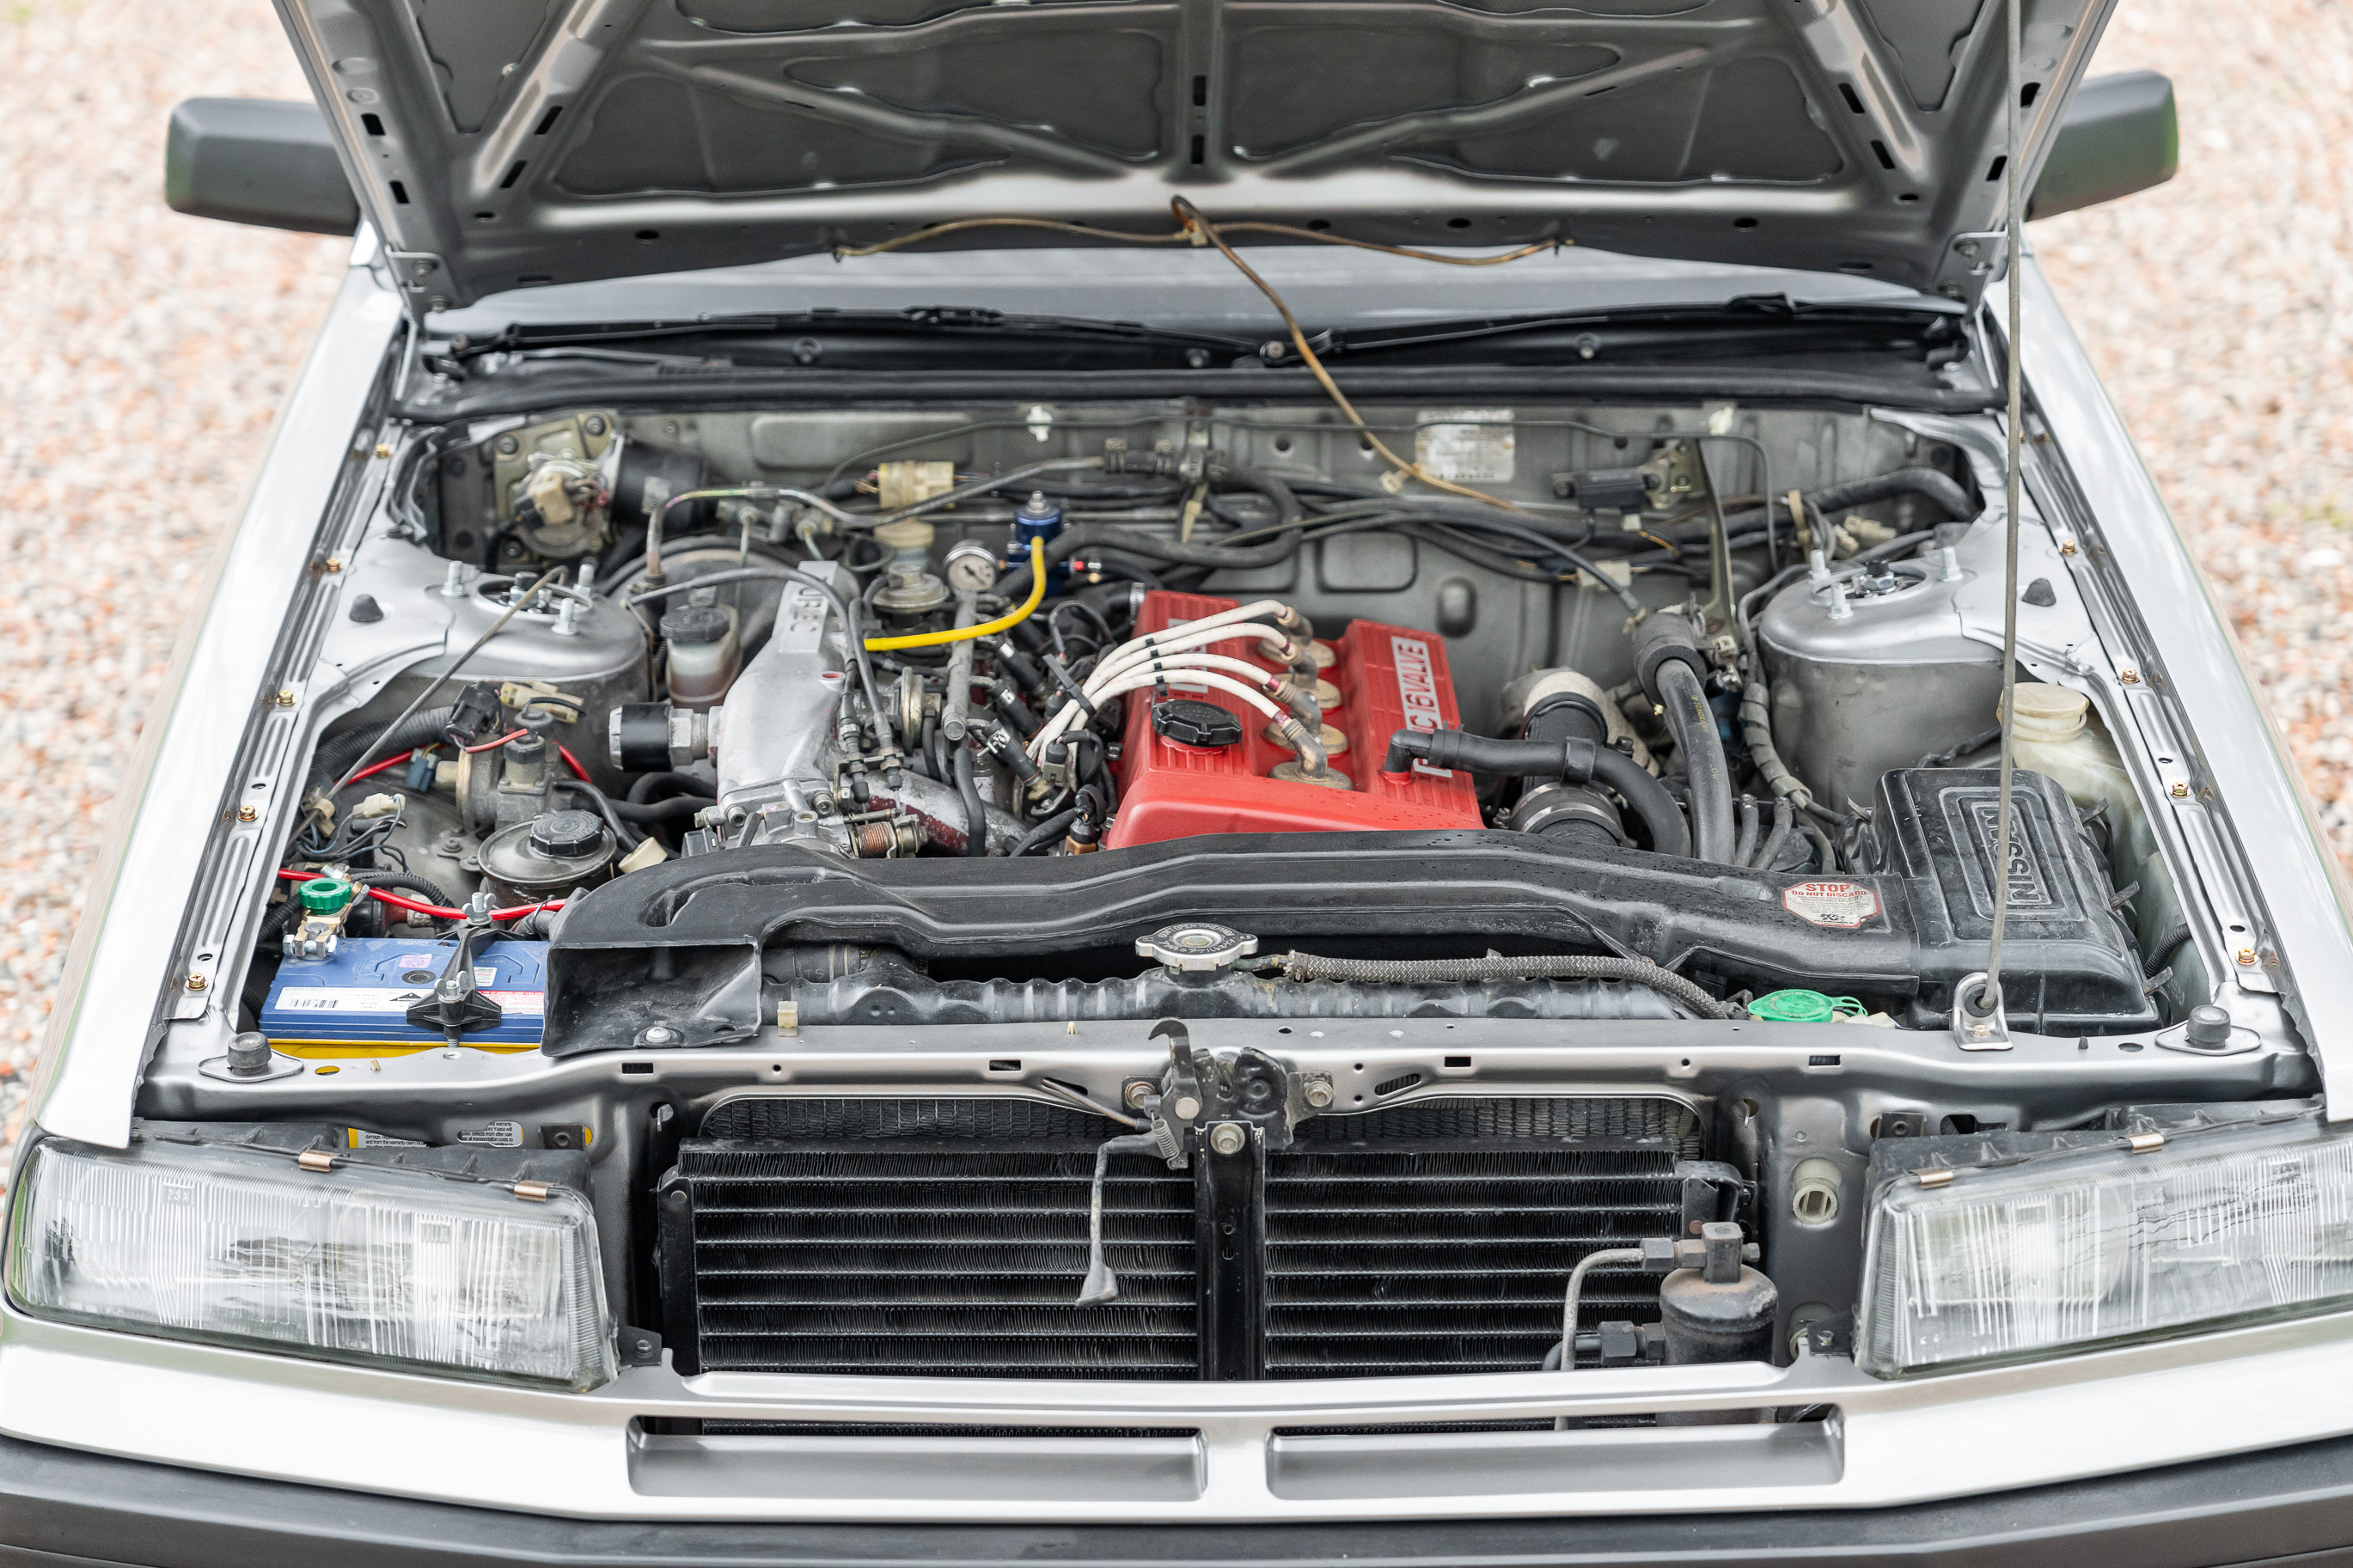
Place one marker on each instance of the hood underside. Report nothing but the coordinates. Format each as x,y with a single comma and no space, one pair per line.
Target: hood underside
505,143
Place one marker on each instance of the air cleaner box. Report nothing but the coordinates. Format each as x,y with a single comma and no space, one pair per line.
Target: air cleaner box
355,1002
1385,678
2069,962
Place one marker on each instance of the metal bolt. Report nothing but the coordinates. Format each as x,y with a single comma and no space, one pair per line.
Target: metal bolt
2129,676
1318,1094
676,1198
196,982
1137,1093
1187,1107
247,813
2066,547
286,697
509,446
2247,957
594,425
1228,1138
658,1036
331,564
381,451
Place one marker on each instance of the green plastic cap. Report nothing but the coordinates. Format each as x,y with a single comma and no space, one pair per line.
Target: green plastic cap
1803,1007
324,895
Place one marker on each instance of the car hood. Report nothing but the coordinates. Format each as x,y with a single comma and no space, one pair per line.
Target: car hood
505,143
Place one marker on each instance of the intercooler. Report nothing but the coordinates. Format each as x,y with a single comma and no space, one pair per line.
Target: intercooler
947,1236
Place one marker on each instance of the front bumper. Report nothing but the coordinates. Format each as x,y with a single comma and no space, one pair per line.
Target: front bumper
57,1505
1181,1458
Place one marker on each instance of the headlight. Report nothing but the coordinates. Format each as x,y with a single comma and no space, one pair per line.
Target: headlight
2132,1239
383,1268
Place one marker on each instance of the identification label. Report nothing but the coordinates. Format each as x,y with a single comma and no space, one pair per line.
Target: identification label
495,1134
1465,446
361,1138
1840,906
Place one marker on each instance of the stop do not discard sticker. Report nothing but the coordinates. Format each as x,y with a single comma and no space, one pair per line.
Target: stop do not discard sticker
1840,905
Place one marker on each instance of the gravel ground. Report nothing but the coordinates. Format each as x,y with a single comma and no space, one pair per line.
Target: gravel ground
143,356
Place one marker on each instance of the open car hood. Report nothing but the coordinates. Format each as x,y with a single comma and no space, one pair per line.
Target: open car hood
504,143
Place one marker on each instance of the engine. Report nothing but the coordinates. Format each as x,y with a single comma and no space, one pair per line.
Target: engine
1197,757
1206,844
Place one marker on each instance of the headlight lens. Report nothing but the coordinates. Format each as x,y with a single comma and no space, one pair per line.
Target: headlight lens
383,1268
2071,1249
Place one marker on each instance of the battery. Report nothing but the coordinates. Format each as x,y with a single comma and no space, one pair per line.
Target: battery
355,1002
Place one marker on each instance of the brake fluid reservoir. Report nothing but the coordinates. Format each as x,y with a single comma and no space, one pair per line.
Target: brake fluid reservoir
700,639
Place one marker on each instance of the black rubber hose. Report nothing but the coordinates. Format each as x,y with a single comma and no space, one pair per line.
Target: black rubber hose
1081,539
1445,970
1569,757
1277,493
975,820
422,887
676,808
338,754
1693,723
1565,719
1769,852
1415,518
1745,844
1120,567
1045,833
630,838
1935,485
641,791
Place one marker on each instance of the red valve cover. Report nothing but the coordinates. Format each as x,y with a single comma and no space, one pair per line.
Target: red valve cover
1389,679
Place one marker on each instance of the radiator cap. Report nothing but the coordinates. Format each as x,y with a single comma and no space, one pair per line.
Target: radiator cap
1196,947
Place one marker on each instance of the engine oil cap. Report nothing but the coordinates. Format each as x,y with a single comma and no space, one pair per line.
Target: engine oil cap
1191,722
566,835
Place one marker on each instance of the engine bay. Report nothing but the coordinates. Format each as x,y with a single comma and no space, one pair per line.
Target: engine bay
832,820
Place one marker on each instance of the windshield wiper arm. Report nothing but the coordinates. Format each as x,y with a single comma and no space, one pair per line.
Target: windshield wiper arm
946,320
1771,310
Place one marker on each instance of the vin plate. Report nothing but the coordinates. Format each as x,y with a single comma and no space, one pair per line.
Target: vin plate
1464,445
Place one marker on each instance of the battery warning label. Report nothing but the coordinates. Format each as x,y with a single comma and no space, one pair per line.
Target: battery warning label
1838,905
388,999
